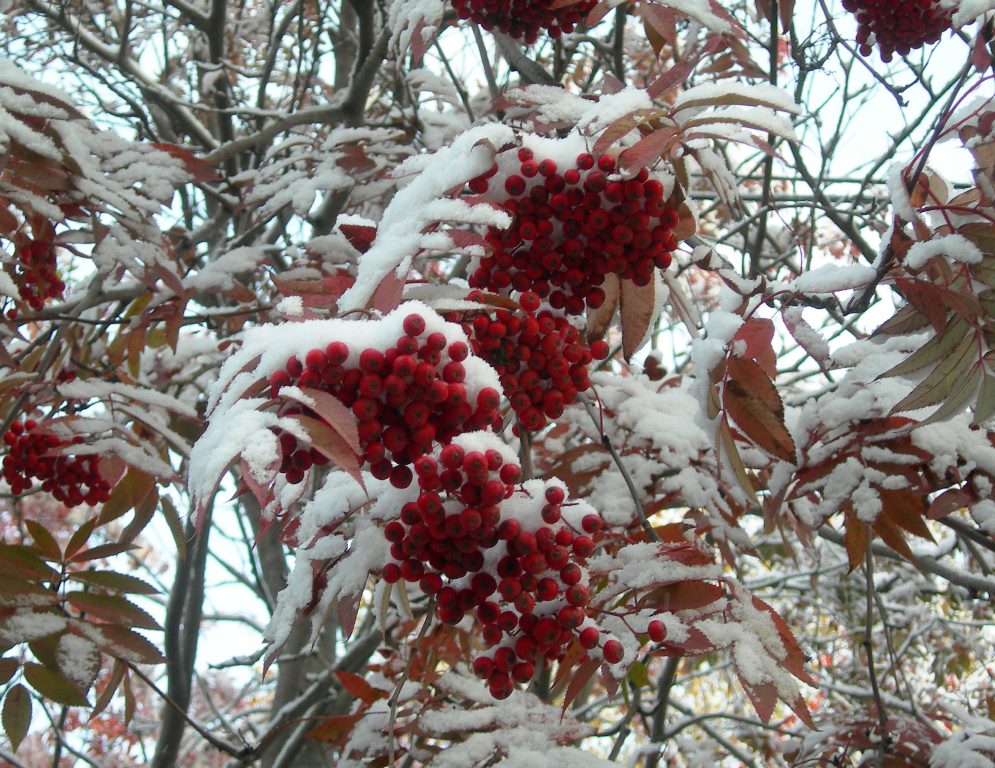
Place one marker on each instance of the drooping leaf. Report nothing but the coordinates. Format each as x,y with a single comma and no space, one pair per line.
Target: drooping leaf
358,687
331,444
599,319
856,540
335,414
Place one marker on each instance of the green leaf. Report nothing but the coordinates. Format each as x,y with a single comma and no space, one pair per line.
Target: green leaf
932,351
960,395
937,386
53,685
118,582
112,608
638,675
16,714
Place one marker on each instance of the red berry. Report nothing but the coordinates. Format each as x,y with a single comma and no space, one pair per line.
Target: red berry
613,651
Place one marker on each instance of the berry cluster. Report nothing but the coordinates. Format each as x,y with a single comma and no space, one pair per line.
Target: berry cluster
35,273
521,575
406,398
438,537
898,26
522,19
542,360
31,456
573,227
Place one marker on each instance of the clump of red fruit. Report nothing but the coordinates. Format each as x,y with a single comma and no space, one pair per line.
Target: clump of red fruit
34,271
407,398
32,454
898,26
522,579
542,360
573,226
522,19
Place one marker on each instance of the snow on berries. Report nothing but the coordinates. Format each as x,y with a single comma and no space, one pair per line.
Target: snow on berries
522,19
510,556
576,220
898,26
541,358
407,386
32,454
35,274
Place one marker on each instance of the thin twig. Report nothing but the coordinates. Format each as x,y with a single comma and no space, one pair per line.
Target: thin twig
429,616
869,649
630,484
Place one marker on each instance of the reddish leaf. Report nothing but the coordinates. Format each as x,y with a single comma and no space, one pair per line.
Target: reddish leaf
599,319
335,729
580,678
683,595
758,334
327,440
44,540
387,296
346,611
650,148
636,309
112,608
118,582
119,642
359,688
948,502
335,414
762,696
199,169
752,401
360,236
856,539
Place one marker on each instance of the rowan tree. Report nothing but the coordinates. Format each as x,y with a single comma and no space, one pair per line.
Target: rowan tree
497,383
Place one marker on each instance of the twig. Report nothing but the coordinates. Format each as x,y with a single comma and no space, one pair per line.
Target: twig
869,650
426,623
633,491
210,738
485,62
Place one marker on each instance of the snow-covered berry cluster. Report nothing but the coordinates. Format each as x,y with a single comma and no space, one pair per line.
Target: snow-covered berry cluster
504,554
522,19
898,26
32,454
572,226
407,394
35,273
541,358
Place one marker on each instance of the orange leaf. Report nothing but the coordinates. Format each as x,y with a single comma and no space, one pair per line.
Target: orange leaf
636,305
855,539
359,688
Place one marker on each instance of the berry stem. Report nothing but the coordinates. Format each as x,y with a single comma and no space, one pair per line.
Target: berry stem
396,695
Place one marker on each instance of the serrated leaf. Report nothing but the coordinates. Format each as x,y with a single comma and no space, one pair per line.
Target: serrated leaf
752,401
80,536
762,696
939,383
100,552
25,561
905,321
334,413
53,685
907,510
892,535
120,642
44,540
984,407
931,352
959,397
331,444
636,309
130,492
624,125
738,468
16,715
650,148
119,582
112,608
78,659
15,591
